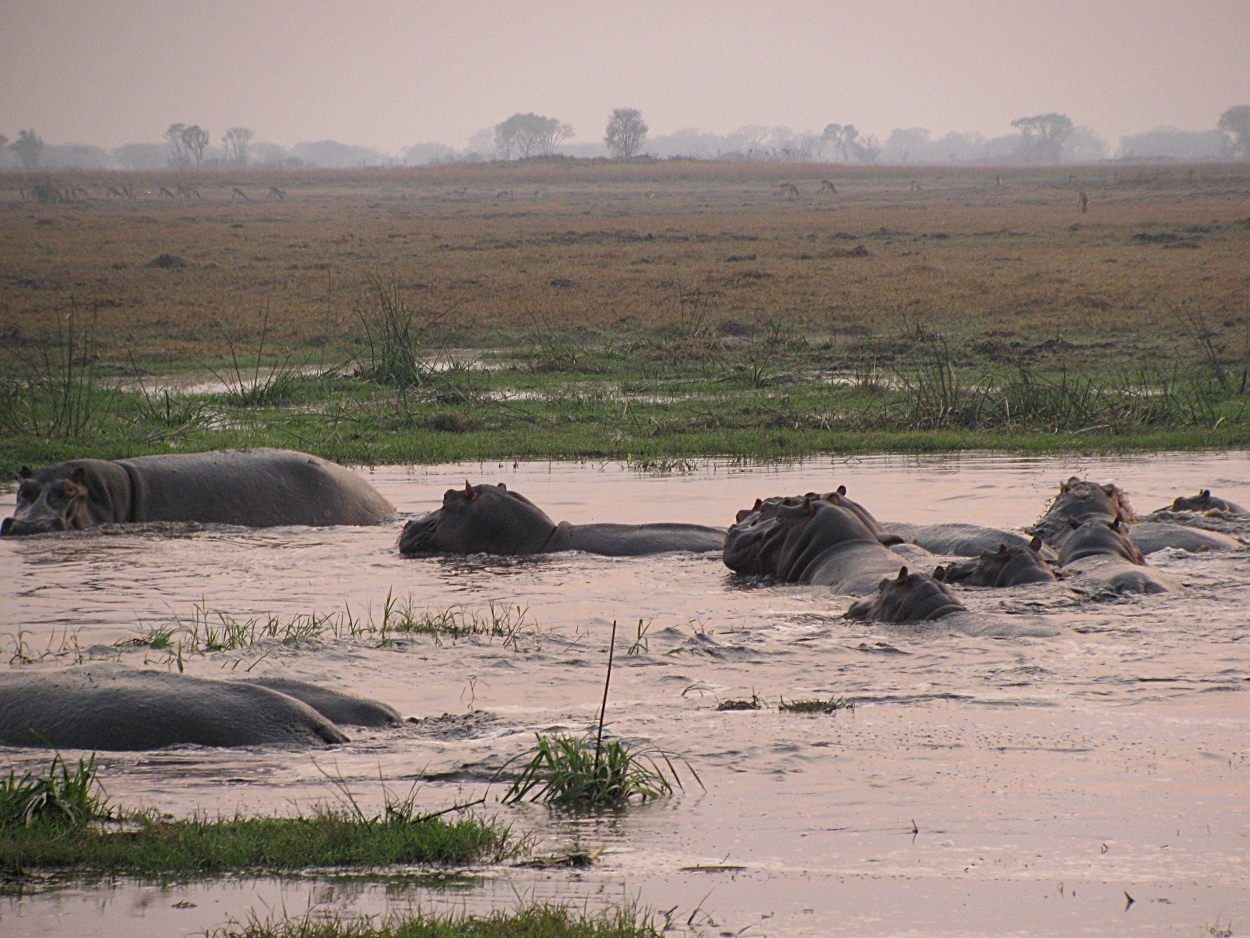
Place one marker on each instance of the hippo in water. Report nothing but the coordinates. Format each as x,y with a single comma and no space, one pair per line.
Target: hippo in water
251,487
1101,552
908,597
489,519
1204,502
809,540
111,707
1007,566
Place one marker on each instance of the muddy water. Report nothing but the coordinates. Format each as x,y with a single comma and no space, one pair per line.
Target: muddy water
981,786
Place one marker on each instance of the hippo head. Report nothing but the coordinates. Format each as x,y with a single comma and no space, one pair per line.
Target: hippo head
909,597
1204,501
479,519
48,502
1095,537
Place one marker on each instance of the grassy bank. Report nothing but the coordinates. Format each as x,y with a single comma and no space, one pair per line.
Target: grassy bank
644,395
59,819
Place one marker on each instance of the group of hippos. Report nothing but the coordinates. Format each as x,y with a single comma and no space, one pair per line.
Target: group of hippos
1089,532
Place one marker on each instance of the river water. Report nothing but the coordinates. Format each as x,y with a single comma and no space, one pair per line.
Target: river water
1024,784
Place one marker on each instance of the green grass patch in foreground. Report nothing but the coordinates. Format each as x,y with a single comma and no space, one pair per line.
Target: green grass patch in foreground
59,820
541,921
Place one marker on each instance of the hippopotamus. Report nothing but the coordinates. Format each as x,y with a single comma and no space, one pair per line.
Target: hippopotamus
251,487
1101,552
1007,566
489,519
111,707
809,540
1203,502
908,597
1081,501
957,539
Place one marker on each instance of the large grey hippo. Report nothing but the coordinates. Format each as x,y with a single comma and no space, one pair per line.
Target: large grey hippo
111,707
489,519
812,539
252,487
1102,553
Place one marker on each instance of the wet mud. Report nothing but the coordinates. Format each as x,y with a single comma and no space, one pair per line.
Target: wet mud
1019,782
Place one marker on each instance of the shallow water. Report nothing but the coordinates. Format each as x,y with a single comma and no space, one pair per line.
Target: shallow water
996,786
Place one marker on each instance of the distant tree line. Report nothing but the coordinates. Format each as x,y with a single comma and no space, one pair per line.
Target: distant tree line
1038,139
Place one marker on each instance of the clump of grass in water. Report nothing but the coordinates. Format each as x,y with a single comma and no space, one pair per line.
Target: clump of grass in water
755,703
582,773
396,337
53,821
815,706
535,921
61,798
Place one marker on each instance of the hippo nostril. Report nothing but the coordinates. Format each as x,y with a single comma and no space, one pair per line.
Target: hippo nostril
5,525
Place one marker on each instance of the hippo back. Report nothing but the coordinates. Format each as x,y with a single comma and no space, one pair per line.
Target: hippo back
251,487
114,708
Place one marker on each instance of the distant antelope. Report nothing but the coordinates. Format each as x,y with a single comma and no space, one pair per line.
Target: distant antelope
915,186
113,190
540,193
649,194
128,192
827,186
187,192
275,193
790,190
1083,201
83,192
1071,177
504,194
998,180
238,195
165,193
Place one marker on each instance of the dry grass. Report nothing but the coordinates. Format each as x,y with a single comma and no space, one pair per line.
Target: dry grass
609,246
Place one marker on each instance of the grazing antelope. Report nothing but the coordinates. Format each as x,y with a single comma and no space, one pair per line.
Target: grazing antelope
165,193
540,193
128,192
187,192
649,194
504,194
827,186
238,195
790,190
998,180
1083,200
915,186
275,193
114,191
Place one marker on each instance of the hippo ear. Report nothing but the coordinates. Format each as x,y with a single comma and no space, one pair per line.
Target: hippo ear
1002,550
902,574
841,489
1205,494
469,491
834,498
939,573
1036,543
757,505
502,487
79,476
1115,523
1108,487
24,472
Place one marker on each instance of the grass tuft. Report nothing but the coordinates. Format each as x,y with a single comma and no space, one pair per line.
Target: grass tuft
815,706
61,797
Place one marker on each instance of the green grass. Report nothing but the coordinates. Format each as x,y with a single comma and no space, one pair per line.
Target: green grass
59,820
58,799
538,921
656,402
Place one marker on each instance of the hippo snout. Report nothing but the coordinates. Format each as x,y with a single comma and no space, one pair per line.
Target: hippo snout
418,535
5,525
16,527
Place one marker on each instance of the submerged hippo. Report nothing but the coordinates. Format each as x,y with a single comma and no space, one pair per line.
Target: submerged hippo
1101,552
1007,566
908,597
111,707
252,487
488,519
809,540
957,539
1203,502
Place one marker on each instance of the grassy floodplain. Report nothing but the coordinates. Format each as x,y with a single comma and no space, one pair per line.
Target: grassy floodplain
647,310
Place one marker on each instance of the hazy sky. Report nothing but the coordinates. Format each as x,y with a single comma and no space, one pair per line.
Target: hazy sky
387,74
